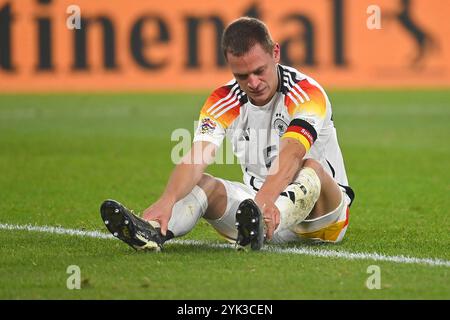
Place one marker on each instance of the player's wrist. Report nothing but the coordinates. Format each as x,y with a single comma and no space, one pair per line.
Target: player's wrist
168,199
267,192
263,199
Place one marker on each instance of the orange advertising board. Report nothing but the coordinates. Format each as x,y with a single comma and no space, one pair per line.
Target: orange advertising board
175,45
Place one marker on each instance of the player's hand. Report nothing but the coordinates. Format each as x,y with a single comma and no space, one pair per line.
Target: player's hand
161,212
270,213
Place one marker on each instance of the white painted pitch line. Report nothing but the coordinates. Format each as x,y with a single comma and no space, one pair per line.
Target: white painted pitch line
269,248
332,254
56,230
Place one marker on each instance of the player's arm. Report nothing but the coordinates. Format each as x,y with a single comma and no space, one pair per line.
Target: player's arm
281,173
308,116
182,180
208,136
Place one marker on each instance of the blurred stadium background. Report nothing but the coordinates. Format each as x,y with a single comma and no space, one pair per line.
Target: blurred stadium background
87,114
142,45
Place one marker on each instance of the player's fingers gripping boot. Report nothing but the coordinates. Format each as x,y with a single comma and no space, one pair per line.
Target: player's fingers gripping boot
128,227
250,225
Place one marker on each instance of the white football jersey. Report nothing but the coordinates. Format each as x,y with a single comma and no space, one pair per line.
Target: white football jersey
300,109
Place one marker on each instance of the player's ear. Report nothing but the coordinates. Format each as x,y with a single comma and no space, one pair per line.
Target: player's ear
276,52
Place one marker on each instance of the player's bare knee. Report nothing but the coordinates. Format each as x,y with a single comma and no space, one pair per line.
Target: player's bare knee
216,194
207,183
330,194
316,166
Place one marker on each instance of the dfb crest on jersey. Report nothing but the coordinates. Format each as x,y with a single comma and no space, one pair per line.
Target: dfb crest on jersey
279,124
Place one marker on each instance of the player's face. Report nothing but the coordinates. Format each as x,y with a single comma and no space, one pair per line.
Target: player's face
256,72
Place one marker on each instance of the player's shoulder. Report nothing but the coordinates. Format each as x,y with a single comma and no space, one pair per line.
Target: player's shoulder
291,77
224,103
300,89
230,90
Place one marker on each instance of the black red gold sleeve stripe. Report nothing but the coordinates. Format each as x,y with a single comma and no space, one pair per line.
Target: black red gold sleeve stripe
301,131
306,125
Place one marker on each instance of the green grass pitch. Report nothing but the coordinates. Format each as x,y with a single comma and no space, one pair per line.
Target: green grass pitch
62,155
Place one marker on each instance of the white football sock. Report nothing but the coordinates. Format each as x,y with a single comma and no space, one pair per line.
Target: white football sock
188,211
306,191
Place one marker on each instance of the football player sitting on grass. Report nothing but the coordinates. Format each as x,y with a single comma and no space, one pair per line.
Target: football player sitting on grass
280,124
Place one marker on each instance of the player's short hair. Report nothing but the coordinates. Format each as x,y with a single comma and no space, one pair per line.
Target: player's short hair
242,34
